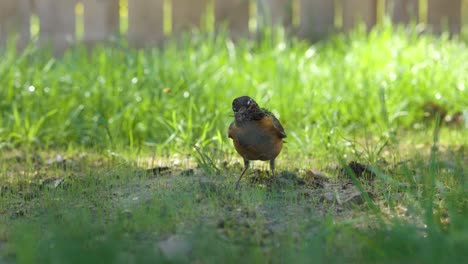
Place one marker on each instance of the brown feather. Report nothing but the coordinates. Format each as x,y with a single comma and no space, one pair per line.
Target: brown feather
257,139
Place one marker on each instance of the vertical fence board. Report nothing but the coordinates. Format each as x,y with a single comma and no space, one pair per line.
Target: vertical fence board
187,14
355,11
444,15
145,22
464,18
8,21
402,11
15,19
57,20
235,13
316,18
101,19
275,12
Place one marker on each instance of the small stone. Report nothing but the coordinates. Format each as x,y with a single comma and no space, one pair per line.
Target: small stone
175,248
329,196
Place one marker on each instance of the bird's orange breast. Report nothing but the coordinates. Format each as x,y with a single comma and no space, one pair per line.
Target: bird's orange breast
256,140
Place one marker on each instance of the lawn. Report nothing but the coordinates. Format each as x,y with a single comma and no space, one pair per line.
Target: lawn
118,155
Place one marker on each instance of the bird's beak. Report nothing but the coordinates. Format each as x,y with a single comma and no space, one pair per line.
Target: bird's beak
240,113
242,110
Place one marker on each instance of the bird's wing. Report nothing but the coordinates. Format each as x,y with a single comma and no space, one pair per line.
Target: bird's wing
276,123
278,127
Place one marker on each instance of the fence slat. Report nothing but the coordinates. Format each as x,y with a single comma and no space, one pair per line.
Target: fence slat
15,19
355,11
57,23
316,18
235,13
402,11
101,19
275,12
187,14
145,22
444,15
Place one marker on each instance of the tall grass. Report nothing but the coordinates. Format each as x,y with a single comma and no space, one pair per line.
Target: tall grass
173,97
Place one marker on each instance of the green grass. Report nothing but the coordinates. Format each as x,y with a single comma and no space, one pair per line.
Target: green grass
114,112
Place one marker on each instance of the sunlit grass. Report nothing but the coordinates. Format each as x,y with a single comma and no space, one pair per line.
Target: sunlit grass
111,113
178,96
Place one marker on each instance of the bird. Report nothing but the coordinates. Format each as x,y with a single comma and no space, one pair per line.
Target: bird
256,133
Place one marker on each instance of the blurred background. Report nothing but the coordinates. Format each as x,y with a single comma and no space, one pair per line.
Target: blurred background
146,22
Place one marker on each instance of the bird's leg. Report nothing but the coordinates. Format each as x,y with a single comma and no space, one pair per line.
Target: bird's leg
246,167
272,167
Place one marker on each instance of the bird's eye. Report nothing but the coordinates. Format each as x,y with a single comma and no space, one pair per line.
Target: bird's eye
234,109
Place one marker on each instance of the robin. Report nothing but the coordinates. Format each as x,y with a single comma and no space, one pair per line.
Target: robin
257,134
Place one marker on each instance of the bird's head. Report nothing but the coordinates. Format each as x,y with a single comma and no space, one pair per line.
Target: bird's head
245,108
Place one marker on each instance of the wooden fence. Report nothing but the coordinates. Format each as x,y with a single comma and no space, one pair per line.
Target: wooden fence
147,22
